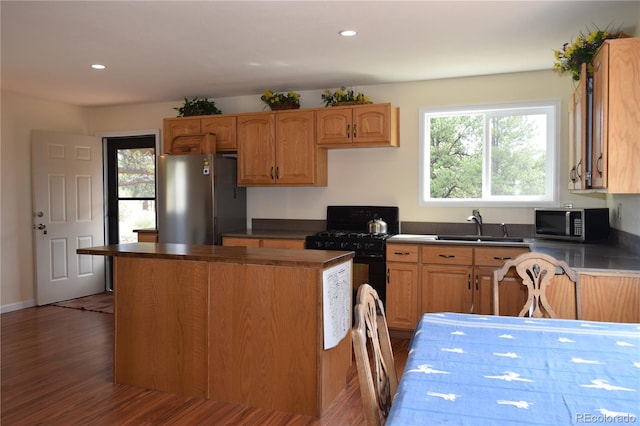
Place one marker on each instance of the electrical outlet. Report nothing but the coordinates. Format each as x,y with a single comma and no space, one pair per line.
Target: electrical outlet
619,214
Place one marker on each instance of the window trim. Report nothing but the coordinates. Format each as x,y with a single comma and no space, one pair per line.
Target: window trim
553,146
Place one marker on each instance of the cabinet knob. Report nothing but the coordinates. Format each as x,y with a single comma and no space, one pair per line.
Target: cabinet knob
447,256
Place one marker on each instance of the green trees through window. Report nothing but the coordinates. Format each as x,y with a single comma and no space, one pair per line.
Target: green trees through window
491,154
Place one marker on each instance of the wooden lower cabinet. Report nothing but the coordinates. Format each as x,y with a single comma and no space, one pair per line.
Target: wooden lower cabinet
512,294
402,295
403,283
453,278
447,278
447,288
263,242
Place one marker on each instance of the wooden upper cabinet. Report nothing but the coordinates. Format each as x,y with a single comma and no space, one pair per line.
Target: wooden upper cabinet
577,134
174,127
224,127
369,125
279,149
616,115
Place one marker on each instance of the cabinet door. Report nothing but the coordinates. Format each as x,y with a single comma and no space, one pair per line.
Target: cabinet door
371,124
402,295
224,127
616,118
446,288
256,149
600,116
295,148
172,127
578,134
334,126
512,294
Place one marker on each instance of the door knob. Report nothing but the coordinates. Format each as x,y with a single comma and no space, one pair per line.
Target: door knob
42,226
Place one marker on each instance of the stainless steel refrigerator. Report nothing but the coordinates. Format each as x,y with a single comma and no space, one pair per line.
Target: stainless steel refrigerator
198,198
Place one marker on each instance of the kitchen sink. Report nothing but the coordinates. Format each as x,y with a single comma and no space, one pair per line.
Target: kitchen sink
479,238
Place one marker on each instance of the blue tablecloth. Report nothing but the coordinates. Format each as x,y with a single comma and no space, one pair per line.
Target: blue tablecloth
491,370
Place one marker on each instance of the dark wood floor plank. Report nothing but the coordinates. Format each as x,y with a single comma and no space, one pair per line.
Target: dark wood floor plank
57,369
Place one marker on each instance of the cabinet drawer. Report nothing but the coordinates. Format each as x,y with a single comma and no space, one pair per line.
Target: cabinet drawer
496,256
402,253
447,255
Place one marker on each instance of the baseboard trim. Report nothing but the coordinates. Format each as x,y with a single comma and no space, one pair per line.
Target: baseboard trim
17,306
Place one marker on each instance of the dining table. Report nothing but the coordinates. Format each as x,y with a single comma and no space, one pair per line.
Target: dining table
467,369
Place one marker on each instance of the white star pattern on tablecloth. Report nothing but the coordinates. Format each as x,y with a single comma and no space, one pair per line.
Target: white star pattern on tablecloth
603,384
509,376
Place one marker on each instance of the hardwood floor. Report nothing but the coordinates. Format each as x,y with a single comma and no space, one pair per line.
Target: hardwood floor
57,370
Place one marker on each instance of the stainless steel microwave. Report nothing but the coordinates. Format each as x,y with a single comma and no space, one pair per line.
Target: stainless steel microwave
572,224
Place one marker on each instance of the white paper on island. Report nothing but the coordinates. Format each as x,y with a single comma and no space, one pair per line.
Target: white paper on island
336,303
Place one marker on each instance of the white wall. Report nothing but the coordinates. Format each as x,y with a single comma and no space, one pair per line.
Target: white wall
379,175
356,176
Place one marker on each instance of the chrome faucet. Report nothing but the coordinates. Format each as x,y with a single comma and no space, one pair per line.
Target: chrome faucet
478,220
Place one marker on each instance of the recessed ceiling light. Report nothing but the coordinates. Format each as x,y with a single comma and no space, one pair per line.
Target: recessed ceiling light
98,66
348,33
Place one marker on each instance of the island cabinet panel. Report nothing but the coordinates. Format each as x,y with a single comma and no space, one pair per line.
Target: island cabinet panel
267,339
610,297
159,307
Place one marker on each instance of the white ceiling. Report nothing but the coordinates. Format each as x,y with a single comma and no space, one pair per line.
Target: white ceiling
159,51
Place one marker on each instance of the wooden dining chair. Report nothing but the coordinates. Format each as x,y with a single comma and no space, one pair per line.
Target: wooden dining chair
536,271
378,385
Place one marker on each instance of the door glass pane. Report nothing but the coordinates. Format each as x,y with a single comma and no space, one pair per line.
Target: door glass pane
135,214
136,173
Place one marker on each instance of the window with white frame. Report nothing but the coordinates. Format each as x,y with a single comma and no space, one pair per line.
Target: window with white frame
492,155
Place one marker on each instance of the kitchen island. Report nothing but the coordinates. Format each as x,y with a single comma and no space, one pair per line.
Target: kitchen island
250,326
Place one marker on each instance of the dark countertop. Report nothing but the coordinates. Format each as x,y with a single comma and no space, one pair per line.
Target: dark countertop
581,256
210,253
146,231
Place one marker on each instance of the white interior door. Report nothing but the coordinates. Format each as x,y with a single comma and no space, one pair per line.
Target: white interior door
66,173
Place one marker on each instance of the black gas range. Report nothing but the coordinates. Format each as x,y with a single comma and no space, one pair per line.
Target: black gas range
347,229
